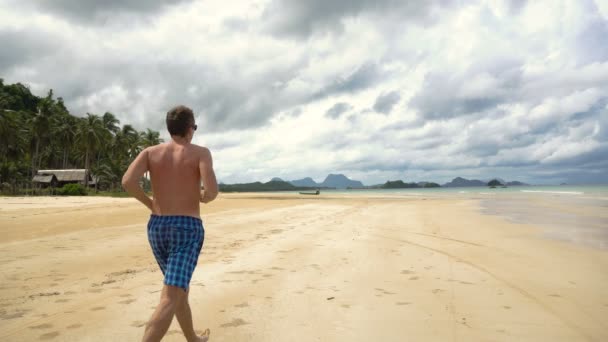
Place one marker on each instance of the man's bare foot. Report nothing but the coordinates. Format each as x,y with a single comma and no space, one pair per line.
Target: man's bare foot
205,336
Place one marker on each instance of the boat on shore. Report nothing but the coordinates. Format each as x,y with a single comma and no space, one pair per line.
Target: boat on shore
310,193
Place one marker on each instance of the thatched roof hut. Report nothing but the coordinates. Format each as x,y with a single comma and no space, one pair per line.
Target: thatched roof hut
44,179
64,176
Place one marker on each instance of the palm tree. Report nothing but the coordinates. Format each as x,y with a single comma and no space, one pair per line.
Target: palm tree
64,131
9,132
39,126
149,138
112,126
110,122
89,136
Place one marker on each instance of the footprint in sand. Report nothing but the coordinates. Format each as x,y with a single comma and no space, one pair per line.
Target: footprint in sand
63,300
97,308
95,290
384,291
438,291
555,295
49,336
128,301
407,272
235,323
346,306
69,293
138,324
17,314
242,305
74,326
413,278
403,303
506,307
42,326
125,295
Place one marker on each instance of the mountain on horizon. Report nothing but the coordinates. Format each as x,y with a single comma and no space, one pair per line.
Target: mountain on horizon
516,183
305,182
276,179
338,181
462,182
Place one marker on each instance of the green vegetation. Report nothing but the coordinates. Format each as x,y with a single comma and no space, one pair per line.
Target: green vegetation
258,186
494,182
72,190
399,184
40,133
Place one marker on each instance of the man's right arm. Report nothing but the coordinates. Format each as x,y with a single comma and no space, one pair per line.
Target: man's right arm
205,166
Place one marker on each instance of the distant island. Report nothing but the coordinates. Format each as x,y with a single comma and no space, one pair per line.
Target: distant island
399,184
340,181
463,182
335,181
332,181
273,185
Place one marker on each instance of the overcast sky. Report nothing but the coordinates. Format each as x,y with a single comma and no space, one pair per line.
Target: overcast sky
374,89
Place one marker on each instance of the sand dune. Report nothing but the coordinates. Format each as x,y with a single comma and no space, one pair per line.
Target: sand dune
284,268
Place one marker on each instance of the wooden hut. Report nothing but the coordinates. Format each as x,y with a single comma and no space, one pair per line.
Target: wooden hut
45,180
65,176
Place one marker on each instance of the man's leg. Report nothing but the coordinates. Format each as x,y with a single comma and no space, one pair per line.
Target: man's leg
184,317
171,297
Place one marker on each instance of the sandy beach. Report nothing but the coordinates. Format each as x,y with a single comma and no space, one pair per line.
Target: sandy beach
292,268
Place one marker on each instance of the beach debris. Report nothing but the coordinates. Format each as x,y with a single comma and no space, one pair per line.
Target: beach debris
330,298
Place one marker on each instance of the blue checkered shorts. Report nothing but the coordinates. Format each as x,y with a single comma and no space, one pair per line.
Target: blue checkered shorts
176,242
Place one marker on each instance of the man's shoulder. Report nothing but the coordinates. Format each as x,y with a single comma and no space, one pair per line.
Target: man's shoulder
155,147
201,149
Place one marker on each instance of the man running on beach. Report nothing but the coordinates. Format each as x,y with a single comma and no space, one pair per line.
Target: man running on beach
175,229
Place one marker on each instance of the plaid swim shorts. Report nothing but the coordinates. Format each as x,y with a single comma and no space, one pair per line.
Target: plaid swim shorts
176,242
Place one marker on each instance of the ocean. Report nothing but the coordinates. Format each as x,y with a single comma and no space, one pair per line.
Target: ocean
575,214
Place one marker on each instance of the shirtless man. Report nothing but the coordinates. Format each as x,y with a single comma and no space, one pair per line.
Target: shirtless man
175,229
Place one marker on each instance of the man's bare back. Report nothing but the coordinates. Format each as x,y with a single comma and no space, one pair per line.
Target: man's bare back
176,171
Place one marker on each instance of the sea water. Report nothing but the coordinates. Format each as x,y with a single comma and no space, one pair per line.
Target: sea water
574,214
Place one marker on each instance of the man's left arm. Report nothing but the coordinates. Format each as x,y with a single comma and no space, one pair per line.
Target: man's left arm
130,180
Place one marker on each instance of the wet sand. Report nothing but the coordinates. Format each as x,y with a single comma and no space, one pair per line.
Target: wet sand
294,268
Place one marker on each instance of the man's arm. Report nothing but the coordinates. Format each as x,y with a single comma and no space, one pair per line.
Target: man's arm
205,166
130,180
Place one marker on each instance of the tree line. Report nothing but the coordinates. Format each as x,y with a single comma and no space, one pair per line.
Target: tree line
40,133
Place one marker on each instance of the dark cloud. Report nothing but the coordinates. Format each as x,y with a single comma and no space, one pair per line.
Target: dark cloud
386,101
20,47
93,12
483,86
367,75
301,19
337,110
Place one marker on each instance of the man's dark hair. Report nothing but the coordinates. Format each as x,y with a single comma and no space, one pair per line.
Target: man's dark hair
179,119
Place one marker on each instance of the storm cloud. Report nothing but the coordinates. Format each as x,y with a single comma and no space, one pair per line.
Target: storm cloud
386,101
